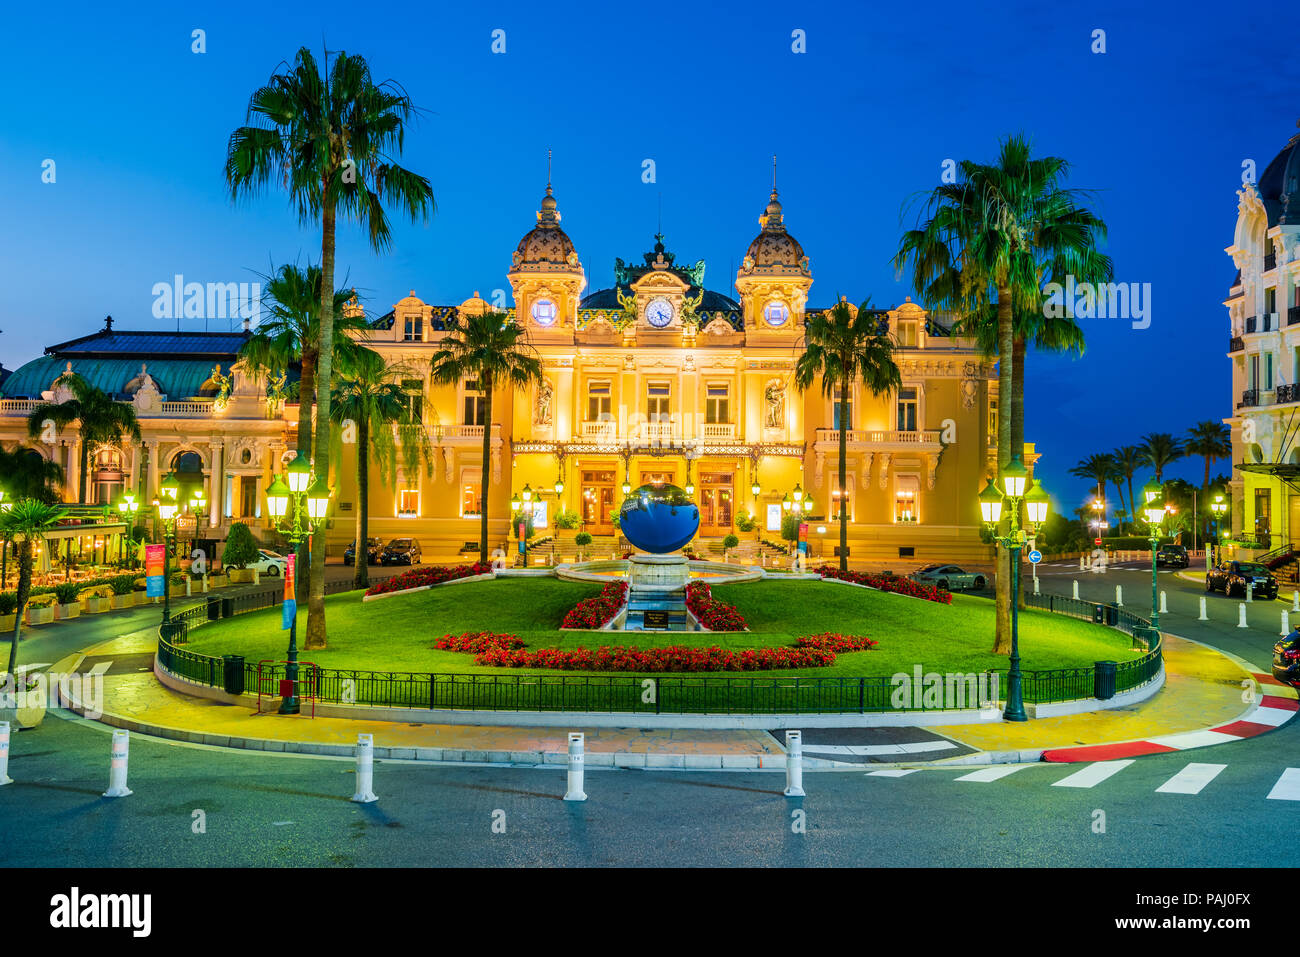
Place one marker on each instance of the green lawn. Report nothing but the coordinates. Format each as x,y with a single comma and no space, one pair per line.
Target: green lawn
397,634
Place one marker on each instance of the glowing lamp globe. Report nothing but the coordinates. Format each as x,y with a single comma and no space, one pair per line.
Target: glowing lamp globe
659,518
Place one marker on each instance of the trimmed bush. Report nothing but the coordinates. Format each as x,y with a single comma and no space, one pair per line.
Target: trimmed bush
790,526
582,539
567,519
67,592
8,603
122,584
241,547
730,542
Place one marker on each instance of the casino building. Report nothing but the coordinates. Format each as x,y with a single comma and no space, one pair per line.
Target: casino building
652,378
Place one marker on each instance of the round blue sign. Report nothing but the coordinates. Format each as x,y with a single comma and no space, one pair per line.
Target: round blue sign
1035,557
658,518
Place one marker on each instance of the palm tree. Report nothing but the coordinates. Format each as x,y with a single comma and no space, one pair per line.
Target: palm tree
1097,469
1160,449
841,347
1128,459
28,474
25,522
490,349
993,238
365,392
328,135
1116,477
99,417
1210,439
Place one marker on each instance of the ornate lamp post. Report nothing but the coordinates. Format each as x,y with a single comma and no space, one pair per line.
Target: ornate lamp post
298,501
128,506
991,502
1155,515
167,511
785,502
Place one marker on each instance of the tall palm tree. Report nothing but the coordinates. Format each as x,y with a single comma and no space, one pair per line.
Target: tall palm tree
992,239
1116,476
1128,459
28,474
1097,469
99,418
367,393
490,349
328,133
843,346
1210,439
26,522
1160,449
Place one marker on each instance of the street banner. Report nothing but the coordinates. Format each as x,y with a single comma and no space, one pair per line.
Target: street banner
155,558
523,541
289,611
803,537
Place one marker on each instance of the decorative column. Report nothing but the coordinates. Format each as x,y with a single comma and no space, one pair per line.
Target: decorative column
216,490
152,488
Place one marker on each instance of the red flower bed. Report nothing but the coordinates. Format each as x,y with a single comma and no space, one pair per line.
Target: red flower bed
595,612
711,613
477,641
432,575
901,586
669,658
831,641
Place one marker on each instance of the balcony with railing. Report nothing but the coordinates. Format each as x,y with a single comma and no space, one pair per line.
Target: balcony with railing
1251,322
465,432
1288,393
718,431
1249,399
660,431
1270,261
1236,344
1292,315
605,430
880,437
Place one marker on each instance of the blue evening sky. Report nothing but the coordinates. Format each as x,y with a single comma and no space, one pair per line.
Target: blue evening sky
1159,125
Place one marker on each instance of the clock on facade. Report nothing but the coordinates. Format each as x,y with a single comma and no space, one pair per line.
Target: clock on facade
659,312
775,313
544,312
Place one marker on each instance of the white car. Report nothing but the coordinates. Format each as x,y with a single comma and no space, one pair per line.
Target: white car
270,564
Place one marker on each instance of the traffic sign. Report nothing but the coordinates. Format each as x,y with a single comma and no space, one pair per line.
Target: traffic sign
1035,556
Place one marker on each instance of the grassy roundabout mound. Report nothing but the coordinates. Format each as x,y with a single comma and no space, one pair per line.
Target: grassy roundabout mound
399,633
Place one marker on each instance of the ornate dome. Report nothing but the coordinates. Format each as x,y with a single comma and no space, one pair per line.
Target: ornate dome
546,245
774,250
1279,187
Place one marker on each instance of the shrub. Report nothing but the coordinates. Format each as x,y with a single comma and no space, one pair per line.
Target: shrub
833,641
790,526
8,603
430,575
122,584
730,542
567,519
745,522
41,601
474,642
711,613
67,592
595,612
901,586
582,539
241,547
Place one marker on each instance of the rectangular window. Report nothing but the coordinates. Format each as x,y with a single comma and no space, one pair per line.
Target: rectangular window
470,503
1270,299
907,335
844,411
475,405
658,402
414,389
1268,370
408,502
906,493
1263,515
413,329
907,410
1253,372
717,404
993,421
598,407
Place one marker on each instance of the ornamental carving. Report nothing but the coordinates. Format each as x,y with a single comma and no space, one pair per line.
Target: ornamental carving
542,406
884,469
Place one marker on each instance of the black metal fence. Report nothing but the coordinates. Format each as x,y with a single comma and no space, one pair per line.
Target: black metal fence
659,694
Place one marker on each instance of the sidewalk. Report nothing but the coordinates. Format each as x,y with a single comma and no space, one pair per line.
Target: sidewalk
1200,704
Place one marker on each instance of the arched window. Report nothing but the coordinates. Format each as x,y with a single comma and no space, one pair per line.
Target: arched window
107,477
188,469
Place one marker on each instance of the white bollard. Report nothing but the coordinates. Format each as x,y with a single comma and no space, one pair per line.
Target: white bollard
188,583
1163,609
1036,585
1202,616
1241,616
117,765
1119,596
1076,588
794,764
575,791
1286,623
4,754
365,769
1295,601
1082,566
1250,593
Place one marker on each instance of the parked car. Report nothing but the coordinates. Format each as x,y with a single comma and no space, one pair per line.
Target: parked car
1171,556
1286,660
400,551
270,563
949,577
1233,578
373,547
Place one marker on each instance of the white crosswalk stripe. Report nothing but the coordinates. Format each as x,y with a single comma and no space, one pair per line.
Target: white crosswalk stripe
1093,774
985,775
1287,787
892,772
1191,779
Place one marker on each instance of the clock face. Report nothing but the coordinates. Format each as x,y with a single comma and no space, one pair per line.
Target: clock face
544,312
775,313
659,313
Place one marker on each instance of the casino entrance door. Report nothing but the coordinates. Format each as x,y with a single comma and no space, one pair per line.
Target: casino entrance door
716,498
598,501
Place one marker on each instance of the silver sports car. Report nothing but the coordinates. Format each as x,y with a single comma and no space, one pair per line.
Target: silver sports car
949,577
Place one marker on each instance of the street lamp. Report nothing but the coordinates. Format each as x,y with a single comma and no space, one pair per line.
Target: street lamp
298,501
807,504
798,495
627,485
1155,515
992,501
167,510
128,506
559,485
785,502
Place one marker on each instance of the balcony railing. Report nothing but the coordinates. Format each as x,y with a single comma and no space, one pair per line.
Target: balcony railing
18,406
1236,344
1288,393
718,430
605,430
1270,261
1249,399
186,410
881,436
1268,322
1292,315
1250,324
659,431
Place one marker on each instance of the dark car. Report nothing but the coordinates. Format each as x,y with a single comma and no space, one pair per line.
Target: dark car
400,551
1171,556
1233,578
1286,659
373,547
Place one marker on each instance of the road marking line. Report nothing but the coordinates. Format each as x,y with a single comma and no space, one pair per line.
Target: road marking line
1273,716
1194,739
891,772
1191,779
984,775
1093,774
1287,787
872,749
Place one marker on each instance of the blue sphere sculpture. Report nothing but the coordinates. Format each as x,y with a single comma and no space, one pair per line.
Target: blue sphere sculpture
659,518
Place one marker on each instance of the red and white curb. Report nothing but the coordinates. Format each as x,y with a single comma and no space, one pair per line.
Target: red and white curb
1277,706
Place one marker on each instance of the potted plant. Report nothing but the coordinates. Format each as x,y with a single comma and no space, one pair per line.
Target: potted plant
582,540
123,587
728,543
241,550
95,599
40,609
8,610
66,596
177,585
566,522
